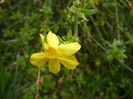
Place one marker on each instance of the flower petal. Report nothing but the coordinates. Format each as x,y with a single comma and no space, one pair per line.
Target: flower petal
43,42
54,66
69,62
52,40
38,59
69,49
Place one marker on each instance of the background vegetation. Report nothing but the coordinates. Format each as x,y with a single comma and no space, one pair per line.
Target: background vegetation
104,28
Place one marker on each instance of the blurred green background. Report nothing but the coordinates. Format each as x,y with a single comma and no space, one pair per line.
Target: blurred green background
104,28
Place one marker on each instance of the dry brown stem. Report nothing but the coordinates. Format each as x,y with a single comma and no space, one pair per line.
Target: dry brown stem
37,84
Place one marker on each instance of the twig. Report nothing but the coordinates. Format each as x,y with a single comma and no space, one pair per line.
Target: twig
97,28
100,45
122,62
109,25
13,24
37,84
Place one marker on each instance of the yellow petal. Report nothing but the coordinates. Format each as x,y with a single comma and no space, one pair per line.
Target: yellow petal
69,49
52,40
38,59
69,62
43,42
54,66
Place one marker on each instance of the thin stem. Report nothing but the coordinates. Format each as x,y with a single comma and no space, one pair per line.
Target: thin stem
97,29
117,21
122,62
37,84
76,25
99,44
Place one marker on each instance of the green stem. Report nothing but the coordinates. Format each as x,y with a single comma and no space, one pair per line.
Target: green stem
76,25
122,62
97,28
117,21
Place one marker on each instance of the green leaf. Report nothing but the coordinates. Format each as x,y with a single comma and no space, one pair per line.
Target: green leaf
90,12
69,34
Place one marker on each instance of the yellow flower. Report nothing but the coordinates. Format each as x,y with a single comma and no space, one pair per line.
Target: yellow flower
56,54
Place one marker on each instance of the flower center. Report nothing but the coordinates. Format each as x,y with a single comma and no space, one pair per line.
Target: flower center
51,53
